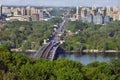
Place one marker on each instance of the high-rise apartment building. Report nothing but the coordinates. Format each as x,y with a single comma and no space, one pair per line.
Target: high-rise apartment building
97,15
0,10
115,9
35,17
23,12
107,19
90,18
83,12
28,10
108,11
78,12
33,11
6,10
16,11
116,16
98,19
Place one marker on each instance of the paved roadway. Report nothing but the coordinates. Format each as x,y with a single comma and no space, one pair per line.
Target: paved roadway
54,42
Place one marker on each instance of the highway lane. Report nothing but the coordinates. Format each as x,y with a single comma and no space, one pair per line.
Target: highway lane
46,50
37,55
53,51
54,42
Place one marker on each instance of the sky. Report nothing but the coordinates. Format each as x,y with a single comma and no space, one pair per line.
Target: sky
62,2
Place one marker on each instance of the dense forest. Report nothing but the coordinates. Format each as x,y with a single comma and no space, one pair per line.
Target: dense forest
30,35
92,36
19,67
27,35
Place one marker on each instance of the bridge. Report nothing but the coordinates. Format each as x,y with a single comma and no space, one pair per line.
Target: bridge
49,51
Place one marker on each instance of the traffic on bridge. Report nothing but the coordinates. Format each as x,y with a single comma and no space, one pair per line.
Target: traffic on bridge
49,51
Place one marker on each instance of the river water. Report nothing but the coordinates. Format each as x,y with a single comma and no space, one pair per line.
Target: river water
86,58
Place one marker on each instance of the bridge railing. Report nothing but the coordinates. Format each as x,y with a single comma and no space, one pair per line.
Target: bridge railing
43,53
40,51
36,54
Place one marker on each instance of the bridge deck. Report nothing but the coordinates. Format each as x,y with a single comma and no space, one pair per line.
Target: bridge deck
50,50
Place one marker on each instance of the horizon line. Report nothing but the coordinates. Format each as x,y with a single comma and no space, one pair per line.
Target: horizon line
56,6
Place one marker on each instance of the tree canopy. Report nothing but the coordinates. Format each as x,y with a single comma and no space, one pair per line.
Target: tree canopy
92,36
19,67
27,35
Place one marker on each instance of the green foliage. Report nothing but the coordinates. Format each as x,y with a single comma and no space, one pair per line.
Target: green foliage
27,35
92,36
19,67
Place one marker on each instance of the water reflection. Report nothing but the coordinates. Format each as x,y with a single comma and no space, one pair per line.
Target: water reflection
86,58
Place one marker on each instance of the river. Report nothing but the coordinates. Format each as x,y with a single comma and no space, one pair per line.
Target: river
86,58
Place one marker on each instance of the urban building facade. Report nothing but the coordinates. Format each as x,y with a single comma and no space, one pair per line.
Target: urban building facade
97,15
25,13
35,17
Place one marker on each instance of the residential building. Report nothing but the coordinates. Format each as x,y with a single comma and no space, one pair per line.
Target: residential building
35,17
107,19
1,18
98,19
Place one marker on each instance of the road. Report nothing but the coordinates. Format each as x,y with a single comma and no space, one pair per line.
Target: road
54,41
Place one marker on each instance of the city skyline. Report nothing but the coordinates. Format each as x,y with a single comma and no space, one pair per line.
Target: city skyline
101,3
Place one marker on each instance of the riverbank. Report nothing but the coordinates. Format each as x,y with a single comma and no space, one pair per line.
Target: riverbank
95,51
85,51
19,50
